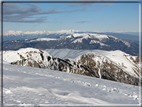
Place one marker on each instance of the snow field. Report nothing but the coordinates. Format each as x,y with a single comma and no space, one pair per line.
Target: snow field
27,85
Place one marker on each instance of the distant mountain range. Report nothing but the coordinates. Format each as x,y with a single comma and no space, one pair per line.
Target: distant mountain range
19,35
102,55
110,65
75,41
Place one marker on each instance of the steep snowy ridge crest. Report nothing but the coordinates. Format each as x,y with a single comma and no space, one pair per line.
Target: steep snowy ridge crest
80,37
90,64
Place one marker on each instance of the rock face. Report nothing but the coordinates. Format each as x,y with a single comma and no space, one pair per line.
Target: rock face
106,69
90,64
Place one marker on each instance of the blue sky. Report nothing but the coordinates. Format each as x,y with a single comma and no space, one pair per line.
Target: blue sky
105,17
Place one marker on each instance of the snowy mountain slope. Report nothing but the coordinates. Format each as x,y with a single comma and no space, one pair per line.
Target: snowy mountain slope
122,59
94,41
16,35
113,65
11,56
76,41
34,86
79,38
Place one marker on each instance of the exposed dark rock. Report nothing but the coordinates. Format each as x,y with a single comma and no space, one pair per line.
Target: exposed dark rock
42,56
86,65
48,58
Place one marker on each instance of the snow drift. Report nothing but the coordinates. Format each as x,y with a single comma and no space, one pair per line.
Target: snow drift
28,86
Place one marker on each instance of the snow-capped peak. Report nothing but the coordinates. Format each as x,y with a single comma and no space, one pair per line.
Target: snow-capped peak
98,36
15,33
11,32
12,56
86,36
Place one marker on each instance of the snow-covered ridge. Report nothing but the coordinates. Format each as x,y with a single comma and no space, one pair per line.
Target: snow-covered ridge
94,41
125,42
120,58
79,37
90,35
74,40
12,56
78,40
98,36
44,39
96,63
84,35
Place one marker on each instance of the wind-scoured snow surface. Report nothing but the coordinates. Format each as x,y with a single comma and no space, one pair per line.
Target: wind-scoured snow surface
34,86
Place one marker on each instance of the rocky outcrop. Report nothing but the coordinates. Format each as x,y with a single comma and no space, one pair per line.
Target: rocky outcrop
87,64
106,69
